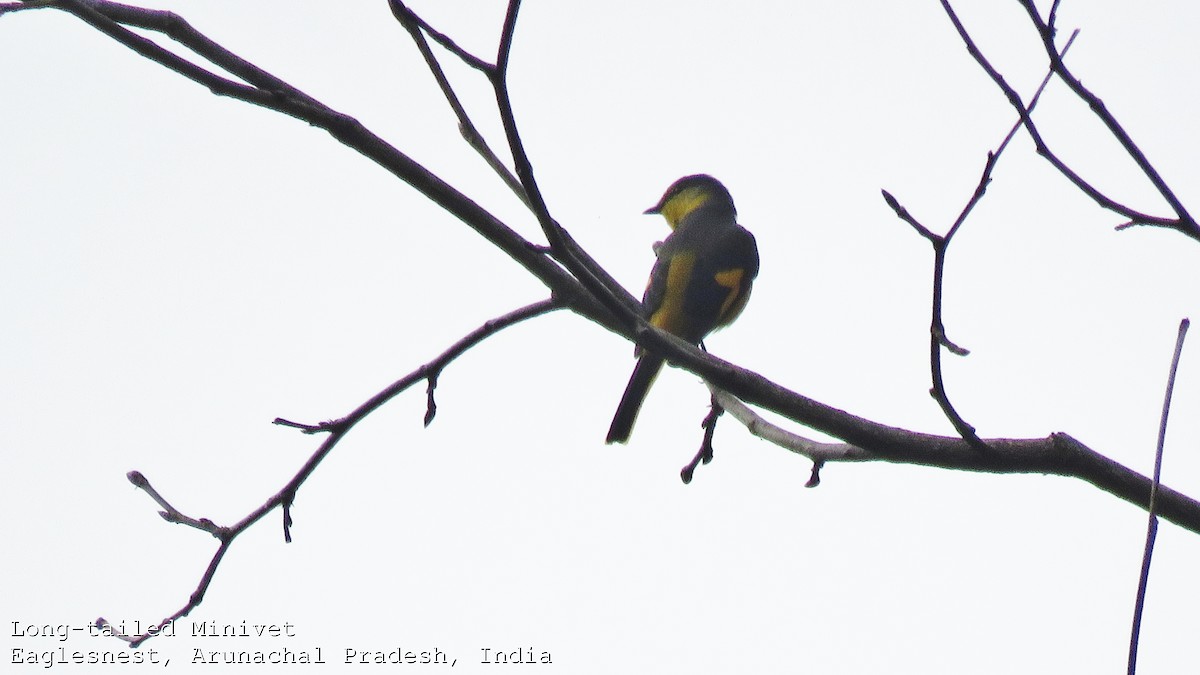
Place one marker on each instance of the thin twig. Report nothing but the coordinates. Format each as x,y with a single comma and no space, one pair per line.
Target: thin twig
1040,144
903,214
286,495
406,17
941,244
521,162
757,425
322,427
193,602
705,454
1152,507
599,283
172,514
273,93
1184,223
415,25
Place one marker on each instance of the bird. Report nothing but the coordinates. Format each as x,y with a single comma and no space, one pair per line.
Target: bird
700,281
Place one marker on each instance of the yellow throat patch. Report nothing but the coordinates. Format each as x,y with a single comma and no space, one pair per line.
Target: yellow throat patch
678,206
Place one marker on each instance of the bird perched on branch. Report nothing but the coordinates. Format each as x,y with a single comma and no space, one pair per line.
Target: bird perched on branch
700,281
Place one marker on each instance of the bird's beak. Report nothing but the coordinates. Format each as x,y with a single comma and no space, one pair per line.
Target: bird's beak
653,210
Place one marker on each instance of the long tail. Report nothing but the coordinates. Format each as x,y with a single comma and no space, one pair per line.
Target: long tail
631,402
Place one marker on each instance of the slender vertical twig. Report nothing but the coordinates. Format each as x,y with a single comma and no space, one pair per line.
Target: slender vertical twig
596,279
1152,517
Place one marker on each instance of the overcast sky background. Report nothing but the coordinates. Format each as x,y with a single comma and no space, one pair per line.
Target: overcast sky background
180,269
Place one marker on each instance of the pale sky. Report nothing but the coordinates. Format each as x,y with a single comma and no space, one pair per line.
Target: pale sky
180,269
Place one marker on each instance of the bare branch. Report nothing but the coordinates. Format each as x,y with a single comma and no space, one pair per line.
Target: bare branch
193,602
1185,223
903,214
322,427
10,7
408,18
415,25
524,168
1044,150
1057,454
578,262
1152,517
172,514
272,93
338,430
937,328
578,283
816,451
705,454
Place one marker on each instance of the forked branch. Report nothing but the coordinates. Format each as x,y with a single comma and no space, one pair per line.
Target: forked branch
1182,221
337,430
941,244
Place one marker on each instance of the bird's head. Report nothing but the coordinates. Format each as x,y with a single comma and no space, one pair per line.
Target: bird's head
690,193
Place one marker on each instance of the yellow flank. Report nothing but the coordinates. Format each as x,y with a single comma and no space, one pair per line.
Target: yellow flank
736,300
669,316
682,204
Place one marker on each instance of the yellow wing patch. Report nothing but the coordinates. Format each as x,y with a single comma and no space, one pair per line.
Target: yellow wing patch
669,315
735,300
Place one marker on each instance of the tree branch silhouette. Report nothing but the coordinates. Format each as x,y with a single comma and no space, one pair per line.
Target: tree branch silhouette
1183,221
576,282
1152,517
1046,29
337,430
941,244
